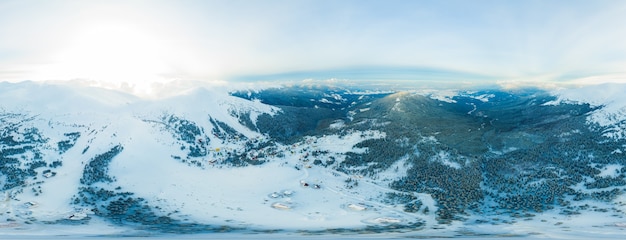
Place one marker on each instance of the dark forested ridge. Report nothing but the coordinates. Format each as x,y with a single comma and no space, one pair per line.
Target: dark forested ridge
485,152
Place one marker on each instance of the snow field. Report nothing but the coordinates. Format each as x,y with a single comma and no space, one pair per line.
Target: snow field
287,193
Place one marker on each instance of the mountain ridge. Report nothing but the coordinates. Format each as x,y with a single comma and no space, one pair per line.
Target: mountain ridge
312,157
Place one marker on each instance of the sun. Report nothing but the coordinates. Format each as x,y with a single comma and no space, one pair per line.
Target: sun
116,54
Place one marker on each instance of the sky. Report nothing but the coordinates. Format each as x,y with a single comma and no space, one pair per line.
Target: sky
143,42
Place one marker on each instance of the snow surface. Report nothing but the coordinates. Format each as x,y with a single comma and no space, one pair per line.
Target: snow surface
244,195
611,170
441,95
610,97
484,97
444,158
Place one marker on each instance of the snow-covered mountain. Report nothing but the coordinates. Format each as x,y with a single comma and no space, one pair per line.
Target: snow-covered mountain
312,160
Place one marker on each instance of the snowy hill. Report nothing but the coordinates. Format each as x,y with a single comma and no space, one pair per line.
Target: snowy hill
310,160
611,99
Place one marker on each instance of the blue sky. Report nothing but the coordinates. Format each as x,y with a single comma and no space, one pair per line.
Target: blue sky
148,41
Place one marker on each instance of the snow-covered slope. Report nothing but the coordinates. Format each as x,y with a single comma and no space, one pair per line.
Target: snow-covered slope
73,154
83,160
611,99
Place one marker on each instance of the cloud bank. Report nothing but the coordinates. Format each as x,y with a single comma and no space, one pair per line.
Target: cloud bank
143,42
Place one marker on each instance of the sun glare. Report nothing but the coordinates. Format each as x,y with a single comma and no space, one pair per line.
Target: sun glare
115,54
